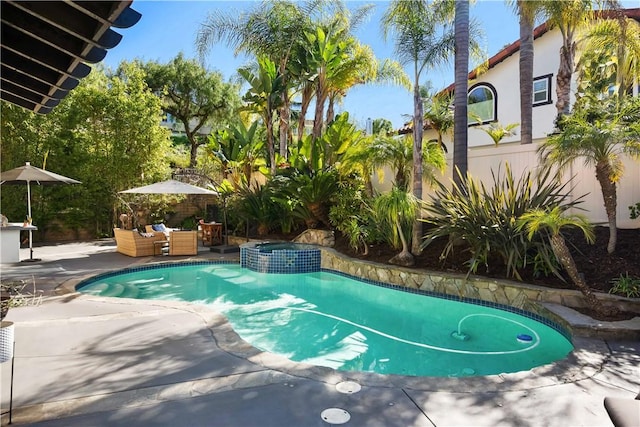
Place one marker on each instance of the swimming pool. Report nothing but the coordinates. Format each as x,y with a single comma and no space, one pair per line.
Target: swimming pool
329,319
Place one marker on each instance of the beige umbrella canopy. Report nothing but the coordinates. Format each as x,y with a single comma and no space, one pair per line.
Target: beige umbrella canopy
170,187
28,174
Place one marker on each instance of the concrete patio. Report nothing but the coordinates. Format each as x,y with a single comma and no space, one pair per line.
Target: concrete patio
89,361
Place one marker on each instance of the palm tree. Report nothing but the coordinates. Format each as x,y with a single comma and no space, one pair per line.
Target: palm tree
599,131
328,49
569,16
273,29
611,54
362,67
497,132
461,71
383,152
264,97
423,38
438,114
397,209
550,224
527,12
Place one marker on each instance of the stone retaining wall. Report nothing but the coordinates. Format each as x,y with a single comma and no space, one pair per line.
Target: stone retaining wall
519,295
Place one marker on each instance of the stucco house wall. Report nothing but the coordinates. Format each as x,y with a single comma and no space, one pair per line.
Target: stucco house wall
484,156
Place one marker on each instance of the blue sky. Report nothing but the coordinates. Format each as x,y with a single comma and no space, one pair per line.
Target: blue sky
168,27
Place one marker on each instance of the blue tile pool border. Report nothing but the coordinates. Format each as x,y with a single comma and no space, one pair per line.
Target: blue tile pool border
282,261
490,304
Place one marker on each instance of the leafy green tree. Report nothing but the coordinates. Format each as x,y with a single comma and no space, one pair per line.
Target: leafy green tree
599,132
106,133
193,96
382,125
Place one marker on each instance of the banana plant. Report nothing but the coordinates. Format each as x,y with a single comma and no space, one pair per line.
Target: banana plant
238,151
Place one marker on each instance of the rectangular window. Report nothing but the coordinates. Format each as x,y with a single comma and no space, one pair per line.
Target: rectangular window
542,90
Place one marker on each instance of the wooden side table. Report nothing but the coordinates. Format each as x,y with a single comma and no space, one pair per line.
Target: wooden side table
158,245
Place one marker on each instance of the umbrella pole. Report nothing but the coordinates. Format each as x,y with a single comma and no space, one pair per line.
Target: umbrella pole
29,217
29,221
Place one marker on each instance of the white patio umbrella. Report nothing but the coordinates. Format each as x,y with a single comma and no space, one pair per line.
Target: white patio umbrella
29,174
170,187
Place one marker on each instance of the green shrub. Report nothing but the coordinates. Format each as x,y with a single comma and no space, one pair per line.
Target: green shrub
634,211
352,216
483,221
626,285
257,207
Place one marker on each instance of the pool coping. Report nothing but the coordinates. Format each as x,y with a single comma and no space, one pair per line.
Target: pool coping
583,362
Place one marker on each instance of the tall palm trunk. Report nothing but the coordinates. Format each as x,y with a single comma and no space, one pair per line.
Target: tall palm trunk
285,113
609,194
318,119
418,123
307,92
461,70
270,145
563,254
331,114
526,75
565,72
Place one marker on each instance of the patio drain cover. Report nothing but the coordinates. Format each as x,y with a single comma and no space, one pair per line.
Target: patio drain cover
335,416
348,387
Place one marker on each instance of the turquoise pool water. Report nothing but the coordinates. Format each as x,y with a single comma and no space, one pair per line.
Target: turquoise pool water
331,320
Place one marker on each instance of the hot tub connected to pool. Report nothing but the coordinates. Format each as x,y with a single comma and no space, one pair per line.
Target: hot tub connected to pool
280,257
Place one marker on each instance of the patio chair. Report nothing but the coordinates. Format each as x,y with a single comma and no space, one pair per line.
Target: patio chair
623,412
211,233
183,243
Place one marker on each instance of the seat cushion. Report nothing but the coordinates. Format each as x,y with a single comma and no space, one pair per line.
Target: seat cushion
623,412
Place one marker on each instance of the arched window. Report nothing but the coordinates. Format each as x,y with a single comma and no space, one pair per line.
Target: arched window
481,107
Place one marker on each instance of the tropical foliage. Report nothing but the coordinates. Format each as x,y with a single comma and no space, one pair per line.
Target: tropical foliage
598,132
106,133
483,221
549,222
280,172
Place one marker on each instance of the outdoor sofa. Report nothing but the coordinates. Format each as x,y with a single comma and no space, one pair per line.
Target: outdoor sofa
132,243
